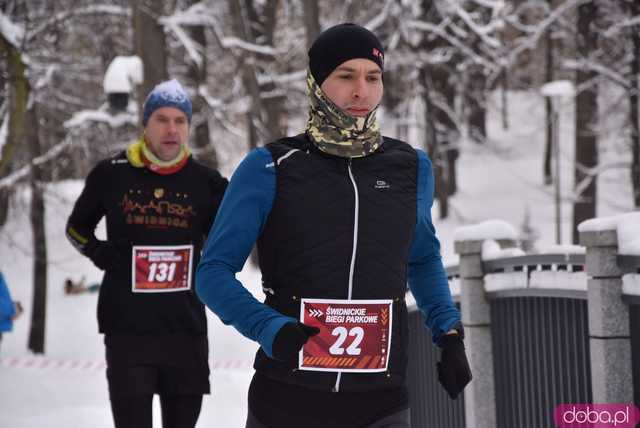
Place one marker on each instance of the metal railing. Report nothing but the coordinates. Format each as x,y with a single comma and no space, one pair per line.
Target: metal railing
540,342
541,358
534,340
430,404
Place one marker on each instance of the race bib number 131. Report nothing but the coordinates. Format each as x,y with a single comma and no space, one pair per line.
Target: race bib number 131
355,335
158,269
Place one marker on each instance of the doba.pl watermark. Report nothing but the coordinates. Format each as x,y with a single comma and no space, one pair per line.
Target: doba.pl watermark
596,415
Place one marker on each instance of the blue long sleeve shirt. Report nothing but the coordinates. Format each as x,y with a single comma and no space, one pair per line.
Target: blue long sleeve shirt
239,222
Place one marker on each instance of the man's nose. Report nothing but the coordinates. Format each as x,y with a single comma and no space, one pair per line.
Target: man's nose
172,128
360,88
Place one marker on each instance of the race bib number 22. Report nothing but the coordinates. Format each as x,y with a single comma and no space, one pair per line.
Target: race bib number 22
158,269
355,335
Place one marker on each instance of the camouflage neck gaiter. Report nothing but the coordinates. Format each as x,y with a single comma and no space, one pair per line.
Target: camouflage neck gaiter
336,132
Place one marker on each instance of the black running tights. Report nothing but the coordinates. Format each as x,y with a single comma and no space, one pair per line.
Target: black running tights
178,411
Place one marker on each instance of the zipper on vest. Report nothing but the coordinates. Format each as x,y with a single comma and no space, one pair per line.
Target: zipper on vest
356,214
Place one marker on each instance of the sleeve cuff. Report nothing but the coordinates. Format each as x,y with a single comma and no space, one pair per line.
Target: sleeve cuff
271,331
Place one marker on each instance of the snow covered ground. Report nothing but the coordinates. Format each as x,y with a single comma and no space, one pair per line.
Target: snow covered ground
67,387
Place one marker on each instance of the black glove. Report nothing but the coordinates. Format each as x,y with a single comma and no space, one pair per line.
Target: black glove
108,254
453,369
290,339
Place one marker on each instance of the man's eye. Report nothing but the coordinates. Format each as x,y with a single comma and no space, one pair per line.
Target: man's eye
344,76
373,78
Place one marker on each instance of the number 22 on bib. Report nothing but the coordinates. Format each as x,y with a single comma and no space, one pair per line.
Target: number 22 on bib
355,335
161,269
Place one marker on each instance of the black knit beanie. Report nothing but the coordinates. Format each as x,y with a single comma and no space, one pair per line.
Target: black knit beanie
342,43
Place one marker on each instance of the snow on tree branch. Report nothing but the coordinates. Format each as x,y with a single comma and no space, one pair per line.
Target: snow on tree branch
23,172
594,171
82,11
211,101
79,119
379,19
617,27
529,42
48,75
439,31
193,49
495,5
482,31
12,32
293,77
114,120
234,42
598,68
196,15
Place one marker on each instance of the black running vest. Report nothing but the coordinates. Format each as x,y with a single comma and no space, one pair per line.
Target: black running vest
307,244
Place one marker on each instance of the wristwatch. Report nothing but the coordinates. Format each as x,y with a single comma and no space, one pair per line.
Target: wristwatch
457,329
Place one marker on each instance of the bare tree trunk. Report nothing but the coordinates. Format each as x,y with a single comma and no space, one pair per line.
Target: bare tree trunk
445,127
37,219
476,102
17,100
586,142
441,129
249,78
548,109
200,124
150,45
311,20
5,195
476,93
434,149
274,105
393,99
504,88
633,105
266,120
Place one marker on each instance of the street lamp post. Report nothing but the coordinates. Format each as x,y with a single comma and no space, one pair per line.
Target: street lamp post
557,91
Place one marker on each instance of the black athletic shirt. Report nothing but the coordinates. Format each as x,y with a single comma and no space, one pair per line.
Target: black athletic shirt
143,208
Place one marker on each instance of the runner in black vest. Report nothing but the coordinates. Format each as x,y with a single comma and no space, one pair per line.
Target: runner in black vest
159,204
341,216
